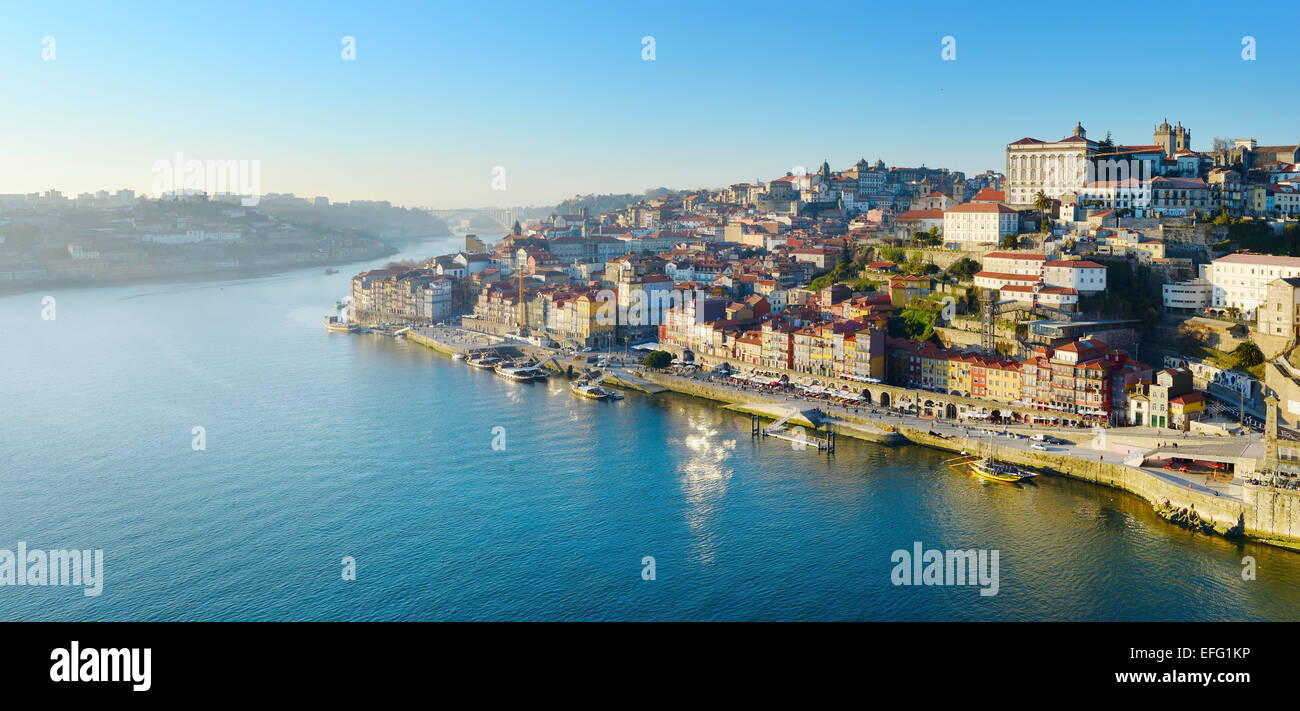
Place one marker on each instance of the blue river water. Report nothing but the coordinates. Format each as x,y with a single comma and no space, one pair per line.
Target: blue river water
321,446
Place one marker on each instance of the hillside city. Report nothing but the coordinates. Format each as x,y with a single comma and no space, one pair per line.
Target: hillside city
1090,282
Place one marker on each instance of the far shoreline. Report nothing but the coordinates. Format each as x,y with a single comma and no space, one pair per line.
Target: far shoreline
210,275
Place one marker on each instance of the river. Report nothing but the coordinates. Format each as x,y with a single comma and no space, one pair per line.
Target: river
320,446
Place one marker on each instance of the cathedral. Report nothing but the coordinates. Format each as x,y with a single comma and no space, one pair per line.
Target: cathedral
1173,139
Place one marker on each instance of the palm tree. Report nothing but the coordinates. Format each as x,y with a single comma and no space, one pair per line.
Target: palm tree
1042,203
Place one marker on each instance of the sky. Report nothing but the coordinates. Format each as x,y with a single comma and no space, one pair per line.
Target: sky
446,103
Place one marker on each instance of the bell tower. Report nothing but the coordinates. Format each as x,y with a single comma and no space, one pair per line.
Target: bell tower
1164,137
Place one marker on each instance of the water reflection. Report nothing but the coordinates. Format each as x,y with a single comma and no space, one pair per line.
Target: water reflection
704,474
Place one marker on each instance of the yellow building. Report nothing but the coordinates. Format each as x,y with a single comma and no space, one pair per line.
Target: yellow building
903,289
1185,408
1002,381
590,322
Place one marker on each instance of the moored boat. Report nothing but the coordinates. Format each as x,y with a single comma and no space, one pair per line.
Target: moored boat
520,373
991,469
589,391
334,325
458,356
486,361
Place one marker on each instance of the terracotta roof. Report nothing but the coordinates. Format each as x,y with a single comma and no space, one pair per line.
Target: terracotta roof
1264,259
1016,255
1074,264
911,215
981,207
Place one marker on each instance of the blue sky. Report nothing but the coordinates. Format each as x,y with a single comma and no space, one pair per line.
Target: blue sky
559,96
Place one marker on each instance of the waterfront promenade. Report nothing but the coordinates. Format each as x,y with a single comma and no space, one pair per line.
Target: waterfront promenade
1124,458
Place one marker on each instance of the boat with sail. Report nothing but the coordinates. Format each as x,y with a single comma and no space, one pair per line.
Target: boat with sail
991,468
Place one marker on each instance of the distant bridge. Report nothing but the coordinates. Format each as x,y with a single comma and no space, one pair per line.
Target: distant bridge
504,218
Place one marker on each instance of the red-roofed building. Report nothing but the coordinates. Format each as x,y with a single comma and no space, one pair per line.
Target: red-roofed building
1075,382
1082,275
974,225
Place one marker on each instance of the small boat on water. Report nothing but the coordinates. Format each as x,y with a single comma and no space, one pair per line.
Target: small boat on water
589,391
458,356
485,361
520,373
334,325
331,270
991,469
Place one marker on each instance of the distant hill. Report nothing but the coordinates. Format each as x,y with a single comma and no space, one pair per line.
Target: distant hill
390,223
597,204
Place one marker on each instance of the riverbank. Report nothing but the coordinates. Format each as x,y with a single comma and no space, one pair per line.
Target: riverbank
1262,513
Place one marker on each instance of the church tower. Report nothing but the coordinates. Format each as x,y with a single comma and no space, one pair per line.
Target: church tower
1182,138
1164,137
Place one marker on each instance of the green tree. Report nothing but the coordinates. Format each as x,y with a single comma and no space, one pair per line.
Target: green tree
964,269
658,359
1009,241
1042,203
896,255
1247,355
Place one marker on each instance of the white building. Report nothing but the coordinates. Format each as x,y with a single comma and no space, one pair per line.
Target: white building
474,263
1058,297
1084,276
1241,280
999,280
975,225
1014,263
1193,295
1053,167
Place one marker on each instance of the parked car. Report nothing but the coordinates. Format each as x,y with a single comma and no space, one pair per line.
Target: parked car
1038,446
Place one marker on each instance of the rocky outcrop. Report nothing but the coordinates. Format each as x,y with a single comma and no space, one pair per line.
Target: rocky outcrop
1184,517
